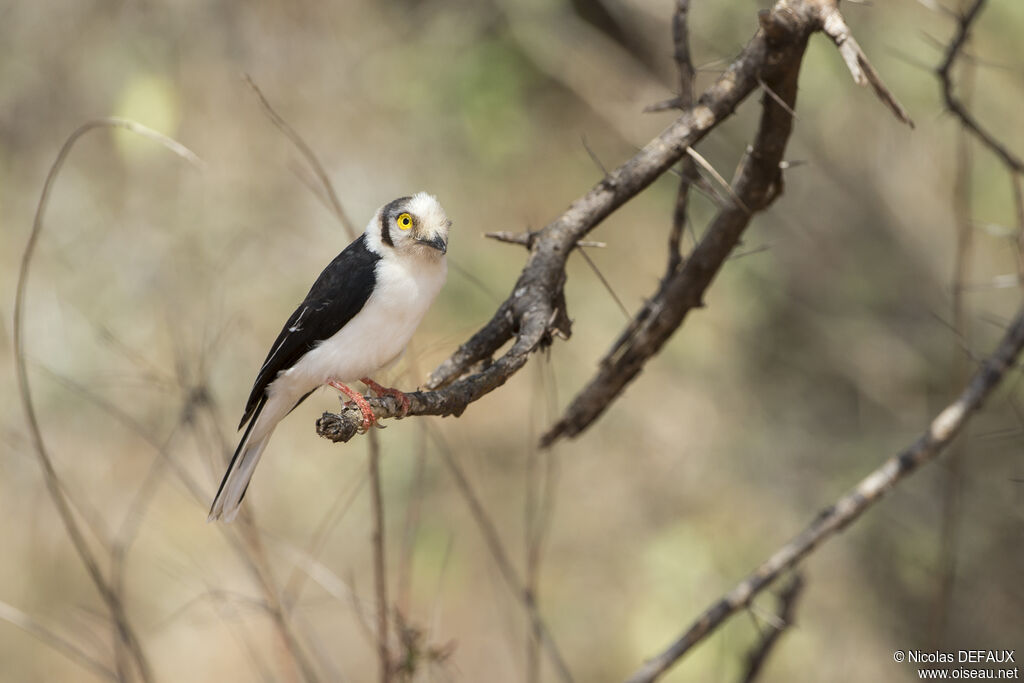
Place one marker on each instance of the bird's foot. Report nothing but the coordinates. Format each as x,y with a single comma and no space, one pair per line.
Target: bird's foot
369,419
399,396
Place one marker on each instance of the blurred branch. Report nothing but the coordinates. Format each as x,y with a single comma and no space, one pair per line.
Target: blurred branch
953,50
59,643
380,580
252,552
245,539
1017,188
787,611
952,475
295,584
413,515
833,519
126,640
539,502
309,155
535,311
508,572
411,526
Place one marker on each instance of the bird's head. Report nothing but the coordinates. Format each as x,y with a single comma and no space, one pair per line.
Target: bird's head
415,225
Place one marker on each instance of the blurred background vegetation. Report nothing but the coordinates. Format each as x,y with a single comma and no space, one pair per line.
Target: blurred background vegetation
826,349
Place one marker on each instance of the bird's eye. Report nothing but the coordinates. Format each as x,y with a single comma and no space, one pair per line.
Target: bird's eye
404,221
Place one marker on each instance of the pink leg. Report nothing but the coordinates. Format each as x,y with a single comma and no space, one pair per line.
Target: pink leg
369,419
402,399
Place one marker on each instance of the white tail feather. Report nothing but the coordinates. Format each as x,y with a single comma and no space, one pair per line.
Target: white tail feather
225,506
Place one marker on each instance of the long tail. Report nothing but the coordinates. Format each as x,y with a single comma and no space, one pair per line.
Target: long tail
243,463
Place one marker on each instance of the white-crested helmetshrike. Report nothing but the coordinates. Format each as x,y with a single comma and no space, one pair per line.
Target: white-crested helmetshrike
356,320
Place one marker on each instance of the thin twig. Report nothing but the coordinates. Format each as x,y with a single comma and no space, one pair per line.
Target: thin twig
526,239
309,155
833,519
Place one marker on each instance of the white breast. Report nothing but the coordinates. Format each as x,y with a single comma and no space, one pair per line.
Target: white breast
377,335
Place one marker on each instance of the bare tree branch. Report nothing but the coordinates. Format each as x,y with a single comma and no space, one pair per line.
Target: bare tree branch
833,519
682,289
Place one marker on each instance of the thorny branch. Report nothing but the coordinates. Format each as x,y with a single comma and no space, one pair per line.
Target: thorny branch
535,311
682,289
833,519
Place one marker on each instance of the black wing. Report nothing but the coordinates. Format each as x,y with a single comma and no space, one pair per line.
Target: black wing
337,295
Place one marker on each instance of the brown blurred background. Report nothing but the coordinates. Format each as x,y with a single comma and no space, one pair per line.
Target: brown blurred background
820,353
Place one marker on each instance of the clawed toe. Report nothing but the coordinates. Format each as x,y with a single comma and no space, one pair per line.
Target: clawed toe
399,396
359,401
370,419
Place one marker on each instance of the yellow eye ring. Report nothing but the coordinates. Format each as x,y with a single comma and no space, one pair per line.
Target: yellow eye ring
404,221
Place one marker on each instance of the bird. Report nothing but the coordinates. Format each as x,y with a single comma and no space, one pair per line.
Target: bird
356,320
